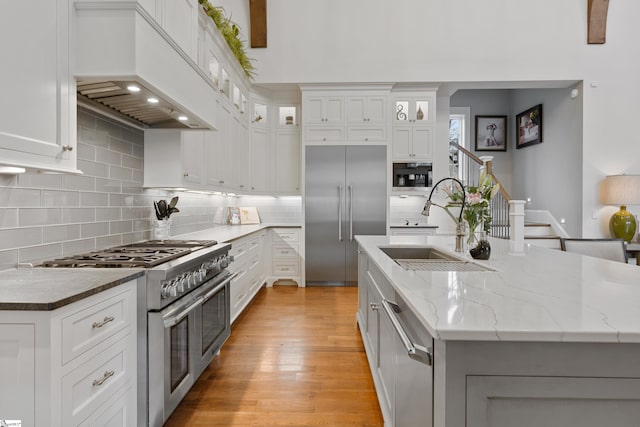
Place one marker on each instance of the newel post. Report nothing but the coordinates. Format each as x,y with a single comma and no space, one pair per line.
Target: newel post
516,221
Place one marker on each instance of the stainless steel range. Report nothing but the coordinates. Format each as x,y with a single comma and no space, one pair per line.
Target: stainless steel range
184,313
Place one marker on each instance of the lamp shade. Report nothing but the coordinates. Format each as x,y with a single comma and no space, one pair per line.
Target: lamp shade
621,190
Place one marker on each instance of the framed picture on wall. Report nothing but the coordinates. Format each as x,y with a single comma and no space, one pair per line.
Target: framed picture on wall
529,127
491,133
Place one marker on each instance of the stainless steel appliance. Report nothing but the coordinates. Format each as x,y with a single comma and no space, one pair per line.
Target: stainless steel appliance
184,314
345,195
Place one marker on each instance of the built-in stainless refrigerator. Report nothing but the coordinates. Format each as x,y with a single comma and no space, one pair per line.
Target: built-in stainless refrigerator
345,196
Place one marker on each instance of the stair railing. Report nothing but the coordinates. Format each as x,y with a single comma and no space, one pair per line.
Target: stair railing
470,167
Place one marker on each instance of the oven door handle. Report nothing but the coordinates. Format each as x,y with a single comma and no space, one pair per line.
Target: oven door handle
174,320
215,290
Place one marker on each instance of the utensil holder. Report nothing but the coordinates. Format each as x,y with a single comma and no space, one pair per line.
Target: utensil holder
162,229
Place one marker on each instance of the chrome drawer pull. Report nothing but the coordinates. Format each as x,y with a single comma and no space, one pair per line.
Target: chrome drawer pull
106,376
106,320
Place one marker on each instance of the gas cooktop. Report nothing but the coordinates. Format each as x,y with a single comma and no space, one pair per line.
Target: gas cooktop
145,254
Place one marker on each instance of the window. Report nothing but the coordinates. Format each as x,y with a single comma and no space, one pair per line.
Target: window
459,119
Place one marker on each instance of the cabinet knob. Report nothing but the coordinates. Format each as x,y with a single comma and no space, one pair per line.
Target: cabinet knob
185,174
364,120
374,306
324,139
366,139
67,148
221,182
241,185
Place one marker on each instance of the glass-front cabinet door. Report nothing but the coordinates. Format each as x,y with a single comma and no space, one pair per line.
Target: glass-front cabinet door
287,116
418,110
260,114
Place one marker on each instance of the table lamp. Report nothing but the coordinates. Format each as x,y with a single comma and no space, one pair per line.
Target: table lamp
622,190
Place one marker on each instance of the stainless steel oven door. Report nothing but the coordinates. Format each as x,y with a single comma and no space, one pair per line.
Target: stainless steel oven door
171,341
214,320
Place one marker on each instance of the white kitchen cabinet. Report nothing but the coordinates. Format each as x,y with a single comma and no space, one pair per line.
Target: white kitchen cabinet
179,18
285,255
38,109
75,365
411,143
249,265
241,155
173,158
366,109
325,109
261,161
287,162
219,150
417,108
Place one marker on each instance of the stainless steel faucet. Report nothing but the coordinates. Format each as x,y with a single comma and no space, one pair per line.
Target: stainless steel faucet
460,228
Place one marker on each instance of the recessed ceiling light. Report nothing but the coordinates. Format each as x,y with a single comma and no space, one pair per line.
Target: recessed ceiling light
183,118
152,100
133,88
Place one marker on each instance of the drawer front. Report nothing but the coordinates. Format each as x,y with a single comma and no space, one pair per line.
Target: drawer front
120,410
285,269
324,133
283,235
367,133
86,389
87,328
281,250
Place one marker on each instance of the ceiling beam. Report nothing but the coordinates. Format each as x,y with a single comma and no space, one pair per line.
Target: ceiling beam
597,21
258,17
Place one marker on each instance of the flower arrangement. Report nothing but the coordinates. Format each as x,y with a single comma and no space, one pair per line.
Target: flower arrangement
476,210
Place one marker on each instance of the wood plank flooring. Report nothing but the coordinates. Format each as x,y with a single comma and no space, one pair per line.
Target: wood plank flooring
295,358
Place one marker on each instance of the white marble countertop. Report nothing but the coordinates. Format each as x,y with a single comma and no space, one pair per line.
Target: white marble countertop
535,294
227,233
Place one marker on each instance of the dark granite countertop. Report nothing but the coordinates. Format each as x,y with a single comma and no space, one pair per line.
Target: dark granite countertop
43,289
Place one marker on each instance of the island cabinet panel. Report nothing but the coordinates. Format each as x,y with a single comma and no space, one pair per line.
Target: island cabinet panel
498,401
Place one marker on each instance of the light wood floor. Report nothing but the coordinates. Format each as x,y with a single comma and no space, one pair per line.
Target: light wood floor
295,358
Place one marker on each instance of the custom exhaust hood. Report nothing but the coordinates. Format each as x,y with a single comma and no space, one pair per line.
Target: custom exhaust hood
128,67
136,105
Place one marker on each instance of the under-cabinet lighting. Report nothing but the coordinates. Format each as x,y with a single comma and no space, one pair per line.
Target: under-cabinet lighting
11,170
152,100
133,88
183,118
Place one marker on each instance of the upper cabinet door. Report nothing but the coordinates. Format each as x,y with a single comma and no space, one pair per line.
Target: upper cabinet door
38,108
366,109
323,110
180,21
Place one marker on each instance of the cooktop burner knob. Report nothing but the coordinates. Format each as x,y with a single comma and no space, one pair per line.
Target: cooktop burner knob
166,290
224,261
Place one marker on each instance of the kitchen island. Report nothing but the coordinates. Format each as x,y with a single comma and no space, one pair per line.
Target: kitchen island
541,337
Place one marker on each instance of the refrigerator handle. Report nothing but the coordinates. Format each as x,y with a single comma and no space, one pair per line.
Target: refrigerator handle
339,213
350,213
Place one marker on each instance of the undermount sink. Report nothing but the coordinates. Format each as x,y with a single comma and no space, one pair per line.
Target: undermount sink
430,259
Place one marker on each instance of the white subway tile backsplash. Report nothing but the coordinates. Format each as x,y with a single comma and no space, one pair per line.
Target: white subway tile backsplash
120,227
94,199
132,162
108,185
60,233
78,215
118,172
121,200
93,137
107,126
19,197
108,214
78,182
138,148
37,254
136,213
52,198
91,168
8,259
120,146
9,218
77,246
106,156
108,241
138,176
18,237
36,180
29,217
132,187
94,229
86,152
134,136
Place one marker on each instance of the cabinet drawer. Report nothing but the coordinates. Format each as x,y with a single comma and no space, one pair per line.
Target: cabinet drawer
367,133
118,411
286,268
88,387
87,328
324,133
281,250
283,235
